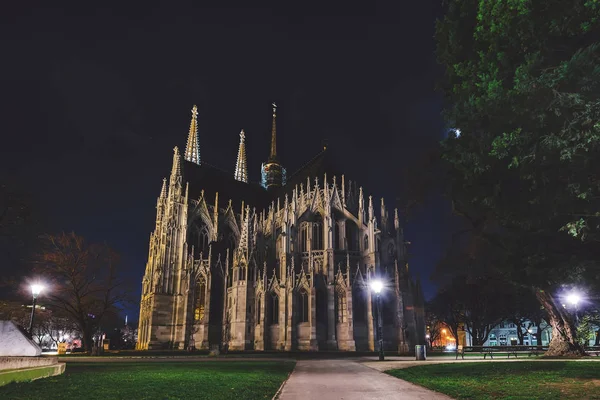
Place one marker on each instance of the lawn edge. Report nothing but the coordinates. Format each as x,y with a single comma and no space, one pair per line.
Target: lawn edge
417,384
278,392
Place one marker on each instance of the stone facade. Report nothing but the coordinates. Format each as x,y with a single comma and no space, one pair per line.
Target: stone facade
287,268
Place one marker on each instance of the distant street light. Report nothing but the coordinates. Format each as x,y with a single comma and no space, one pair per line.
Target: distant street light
377,287
35,292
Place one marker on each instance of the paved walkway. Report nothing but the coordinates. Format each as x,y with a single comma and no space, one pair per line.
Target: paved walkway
348,380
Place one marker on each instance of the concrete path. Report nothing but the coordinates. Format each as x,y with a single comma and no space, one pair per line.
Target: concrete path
348,380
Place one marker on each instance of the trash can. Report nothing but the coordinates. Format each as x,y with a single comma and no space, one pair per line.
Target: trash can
420,352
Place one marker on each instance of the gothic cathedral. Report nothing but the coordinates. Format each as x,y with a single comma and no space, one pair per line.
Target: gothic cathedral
282,265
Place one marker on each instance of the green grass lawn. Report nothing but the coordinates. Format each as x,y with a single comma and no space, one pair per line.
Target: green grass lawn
153,380
509,380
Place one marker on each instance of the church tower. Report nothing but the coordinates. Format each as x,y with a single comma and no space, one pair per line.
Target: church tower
273,173
161,286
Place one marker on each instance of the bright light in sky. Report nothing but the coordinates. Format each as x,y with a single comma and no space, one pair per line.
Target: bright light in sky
457,132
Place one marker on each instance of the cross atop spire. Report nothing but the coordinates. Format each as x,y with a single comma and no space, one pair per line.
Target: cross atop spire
192,149
273,155
241,167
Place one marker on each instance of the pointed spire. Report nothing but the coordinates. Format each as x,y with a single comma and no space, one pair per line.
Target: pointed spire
396,219
371,213
343,191
361,200
273,154
163,191
192,149
241,167
176,169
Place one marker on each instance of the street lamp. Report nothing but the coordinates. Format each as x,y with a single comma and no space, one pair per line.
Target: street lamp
377,287
35,292
574,299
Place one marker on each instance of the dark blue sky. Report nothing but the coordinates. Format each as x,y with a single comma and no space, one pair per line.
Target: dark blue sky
94,100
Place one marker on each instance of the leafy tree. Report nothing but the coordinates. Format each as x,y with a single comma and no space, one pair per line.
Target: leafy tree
83,281
588,327
522,85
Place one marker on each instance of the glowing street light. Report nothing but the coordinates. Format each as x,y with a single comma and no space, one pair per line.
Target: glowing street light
574,298
35,292
377,287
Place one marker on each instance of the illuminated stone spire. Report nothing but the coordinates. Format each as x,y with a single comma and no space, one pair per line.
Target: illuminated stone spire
176,168
272,172
273,154
241,168
192,150
163,191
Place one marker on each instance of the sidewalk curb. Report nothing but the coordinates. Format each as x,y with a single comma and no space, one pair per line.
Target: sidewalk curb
276,395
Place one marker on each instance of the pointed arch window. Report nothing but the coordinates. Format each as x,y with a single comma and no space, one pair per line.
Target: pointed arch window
304,308
200,239
336,235
304,236
200,300
341,311
351,236
317,233
274,309
390,250
258,310
366,243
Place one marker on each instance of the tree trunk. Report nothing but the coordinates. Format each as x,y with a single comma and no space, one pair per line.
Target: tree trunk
564,335
597,342
87,340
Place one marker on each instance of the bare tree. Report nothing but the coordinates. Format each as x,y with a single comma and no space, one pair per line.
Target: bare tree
84,282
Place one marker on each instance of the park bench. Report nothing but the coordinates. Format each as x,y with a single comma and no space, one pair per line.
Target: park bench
508,350
593,350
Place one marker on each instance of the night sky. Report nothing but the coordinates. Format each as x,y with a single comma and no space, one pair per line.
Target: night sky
94,100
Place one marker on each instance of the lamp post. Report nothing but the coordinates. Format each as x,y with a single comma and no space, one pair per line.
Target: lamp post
377,287
35,291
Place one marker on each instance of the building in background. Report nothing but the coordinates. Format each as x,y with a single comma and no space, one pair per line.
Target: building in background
283,264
